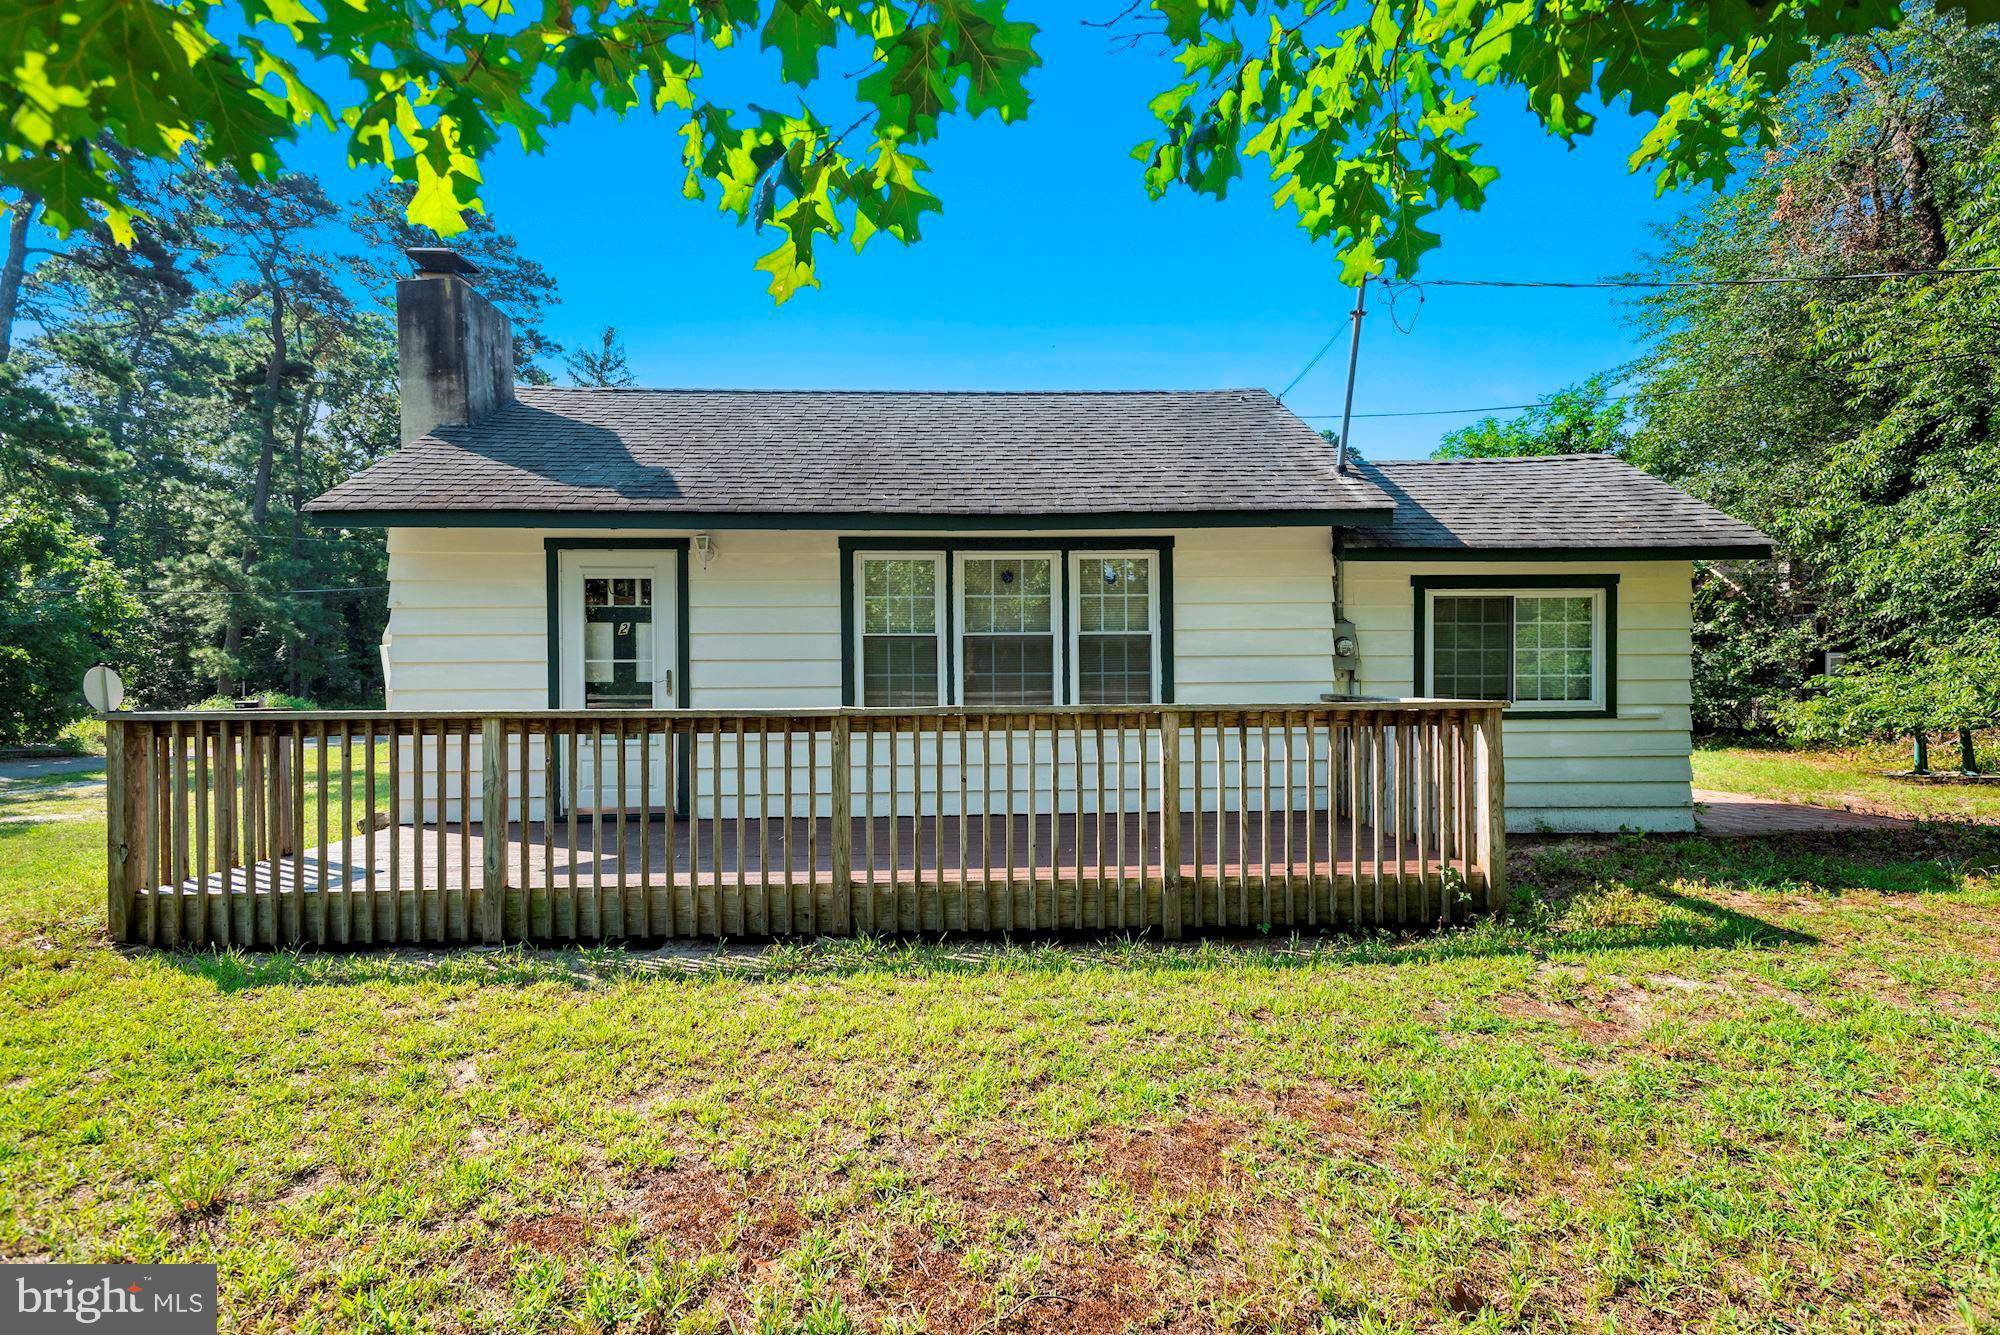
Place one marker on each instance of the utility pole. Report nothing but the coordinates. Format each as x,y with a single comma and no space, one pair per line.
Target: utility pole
1353,357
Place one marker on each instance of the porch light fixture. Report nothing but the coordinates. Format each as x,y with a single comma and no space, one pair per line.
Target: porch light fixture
704,548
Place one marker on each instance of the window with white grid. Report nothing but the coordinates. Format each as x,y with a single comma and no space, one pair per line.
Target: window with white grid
1008,629
1541,650
1116,630
900,631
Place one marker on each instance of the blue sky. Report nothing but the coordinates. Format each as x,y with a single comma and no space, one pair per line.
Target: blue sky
1050,268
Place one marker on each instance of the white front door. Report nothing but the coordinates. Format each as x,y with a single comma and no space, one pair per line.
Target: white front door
619,648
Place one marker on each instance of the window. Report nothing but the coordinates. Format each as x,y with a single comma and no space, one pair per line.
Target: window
974,624
1008,636
900,597
1543,649
617,642
1115,630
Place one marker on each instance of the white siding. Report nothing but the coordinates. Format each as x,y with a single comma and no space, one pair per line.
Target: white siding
1252,616
1631,771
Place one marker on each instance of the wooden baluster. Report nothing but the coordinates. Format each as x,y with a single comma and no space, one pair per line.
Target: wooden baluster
1447,819
1243,915
542,906
935,919
1200,862
812,829
1351,758
865,903
792,921
522,925
187,907
388,926
1120,908
895,914
621,892
336,919
117,829
290,926
199,922
1372,807
371,817
741,916
277,782
840,830
1403,816
986,822
486,924
1264,815
1078,915
467,877
1065,906
425,854
1007,814
1143,798
638,900
1467,787
1098,765
567,911
1420,811
222,796
590,916
716,917
1311,732
675,923
769,925
967,918
1285,903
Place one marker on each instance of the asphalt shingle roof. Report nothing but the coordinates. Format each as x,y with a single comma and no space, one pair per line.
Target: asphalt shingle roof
1570,502
813,453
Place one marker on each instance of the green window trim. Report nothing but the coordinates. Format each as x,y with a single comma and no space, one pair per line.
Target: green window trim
1605,586
1062,548
552,550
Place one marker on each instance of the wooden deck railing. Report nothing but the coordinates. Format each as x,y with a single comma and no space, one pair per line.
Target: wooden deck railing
266,829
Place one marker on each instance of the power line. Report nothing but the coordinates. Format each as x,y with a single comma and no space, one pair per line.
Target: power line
1636,394
1755,280
1306,370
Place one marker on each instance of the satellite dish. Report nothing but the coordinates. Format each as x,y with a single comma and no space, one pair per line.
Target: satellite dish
103,689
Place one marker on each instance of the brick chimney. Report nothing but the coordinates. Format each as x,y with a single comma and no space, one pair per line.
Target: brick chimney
456,361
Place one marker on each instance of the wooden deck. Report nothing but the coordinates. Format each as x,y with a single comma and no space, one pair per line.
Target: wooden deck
224,829
731,877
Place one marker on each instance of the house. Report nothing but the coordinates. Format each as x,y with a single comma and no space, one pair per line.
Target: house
620,548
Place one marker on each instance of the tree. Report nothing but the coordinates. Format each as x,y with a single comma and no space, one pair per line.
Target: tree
1364,114
1584,419
1941,687
603,367
62,608
1852,420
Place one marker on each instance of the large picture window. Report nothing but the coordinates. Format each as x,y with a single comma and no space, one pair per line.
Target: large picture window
975,624
1546,650
901,599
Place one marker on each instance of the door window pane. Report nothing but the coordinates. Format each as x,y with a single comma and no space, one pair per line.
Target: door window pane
1114,633
618,648
1472,647
899,631
1008,605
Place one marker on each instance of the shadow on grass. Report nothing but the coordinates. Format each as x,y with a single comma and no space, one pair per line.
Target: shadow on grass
1681,921
1571,897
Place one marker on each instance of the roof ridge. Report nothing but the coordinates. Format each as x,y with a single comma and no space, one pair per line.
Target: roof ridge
909,393
1506,459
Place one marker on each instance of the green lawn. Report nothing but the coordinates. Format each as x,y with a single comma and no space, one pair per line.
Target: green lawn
1688,1085
1856,778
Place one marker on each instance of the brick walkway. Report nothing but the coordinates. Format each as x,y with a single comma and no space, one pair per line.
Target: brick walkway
1740,816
